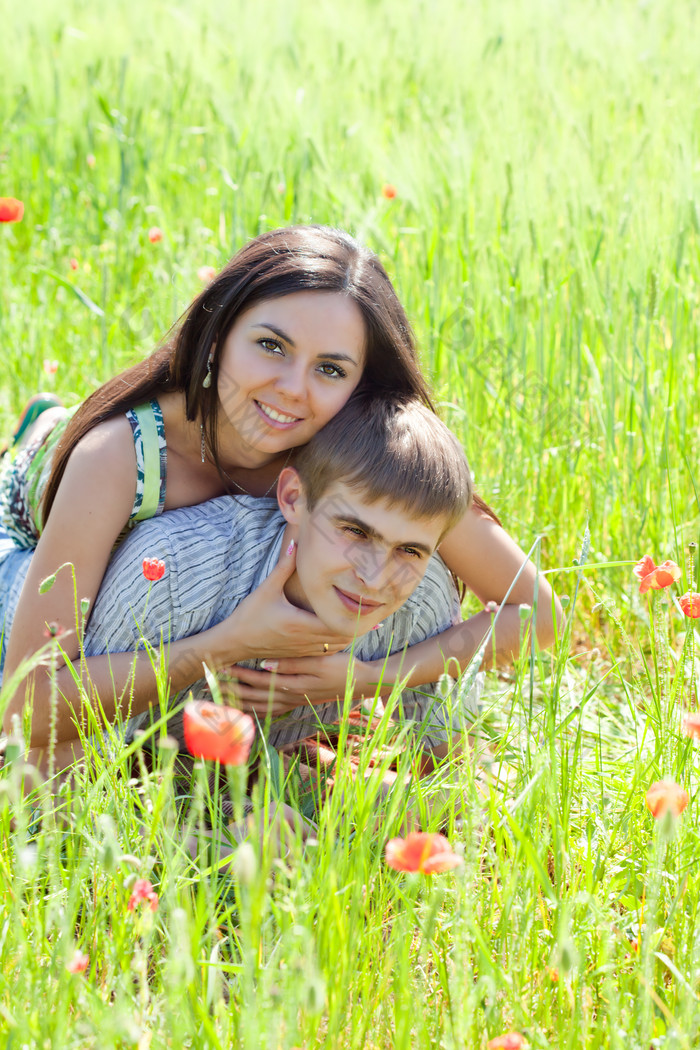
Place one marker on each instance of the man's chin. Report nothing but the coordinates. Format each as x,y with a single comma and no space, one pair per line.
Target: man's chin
356,627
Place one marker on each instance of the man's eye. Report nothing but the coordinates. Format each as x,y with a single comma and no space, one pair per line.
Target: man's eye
412,552
354,531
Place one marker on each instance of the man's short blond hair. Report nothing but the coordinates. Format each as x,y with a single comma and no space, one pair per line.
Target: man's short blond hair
392,451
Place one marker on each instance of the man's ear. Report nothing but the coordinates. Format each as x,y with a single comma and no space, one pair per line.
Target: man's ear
290,495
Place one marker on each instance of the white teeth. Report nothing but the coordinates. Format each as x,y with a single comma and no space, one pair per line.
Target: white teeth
278,417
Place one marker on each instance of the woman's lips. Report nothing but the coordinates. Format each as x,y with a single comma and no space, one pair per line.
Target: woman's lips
287,421
356,604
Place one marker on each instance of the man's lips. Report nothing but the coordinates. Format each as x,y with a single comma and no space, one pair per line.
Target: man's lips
356,603
274,417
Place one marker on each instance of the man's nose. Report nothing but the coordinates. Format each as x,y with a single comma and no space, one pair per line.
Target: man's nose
371,567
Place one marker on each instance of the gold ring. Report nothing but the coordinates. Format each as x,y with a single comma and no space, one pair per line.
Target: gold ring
325,647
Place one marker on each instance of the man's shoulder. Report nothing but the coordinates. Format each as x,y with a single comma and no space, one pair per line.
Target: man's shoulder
208,552
216,522
438,582
434,604
202,542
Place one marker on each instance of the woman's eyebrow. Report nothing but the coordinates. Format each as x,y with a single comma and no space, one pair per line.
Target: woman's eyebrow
273,328
339,357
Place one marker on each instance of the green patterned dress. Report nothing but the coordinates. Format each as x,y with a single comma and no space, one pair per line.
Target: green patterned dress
24,479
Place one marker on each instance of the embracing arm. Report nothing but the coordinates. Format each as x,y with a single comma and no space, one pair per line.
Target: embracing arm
482,554
86,519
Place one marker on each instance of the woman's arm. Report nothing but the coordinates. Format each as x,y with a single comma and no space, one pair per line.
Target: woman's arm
482,554
86,519
92,505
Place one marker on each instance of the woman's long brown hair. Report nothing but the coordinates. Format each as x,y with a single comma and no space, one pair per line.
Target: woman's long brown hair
295,259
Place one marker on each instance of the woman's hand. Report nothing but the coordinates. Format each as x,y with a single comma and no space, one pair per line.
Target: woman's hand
266,624
313,680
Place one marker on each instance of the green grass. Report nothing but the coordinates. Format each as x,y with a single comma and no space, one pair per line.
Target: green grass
545,240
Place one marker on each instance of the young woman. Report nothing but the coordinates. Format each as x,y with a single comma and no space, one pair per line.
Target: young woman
268,352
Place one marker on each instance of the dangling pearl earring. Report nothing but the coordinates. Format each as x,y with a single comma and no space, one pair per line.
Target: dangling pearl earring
206,382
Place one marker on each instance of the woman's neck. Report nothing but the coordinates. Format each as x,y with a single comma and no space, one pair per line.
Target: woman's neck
240,475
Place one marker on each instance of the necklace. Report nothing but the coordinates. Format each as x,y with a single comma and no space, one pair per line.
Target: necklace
205,449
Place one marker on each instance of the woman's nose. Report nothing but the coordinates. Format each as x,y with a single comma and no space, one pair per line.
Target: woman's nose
292,382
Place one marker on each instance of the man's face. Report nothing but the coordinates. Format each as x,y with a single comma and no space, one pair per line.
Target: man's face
358,561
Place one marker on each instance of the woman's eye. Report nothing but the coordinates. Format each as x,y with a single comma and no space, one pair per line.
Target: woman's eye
271,345
329,369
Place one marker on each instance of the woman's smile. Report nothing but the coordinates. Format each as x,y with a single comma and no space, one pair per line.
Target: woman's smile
275,417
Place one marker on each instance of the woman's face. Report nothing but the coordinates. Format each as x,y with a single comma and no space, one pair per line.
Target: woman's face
286,367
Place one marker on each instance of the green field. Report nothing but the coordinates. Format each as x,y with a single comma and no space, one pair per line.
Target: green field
545,239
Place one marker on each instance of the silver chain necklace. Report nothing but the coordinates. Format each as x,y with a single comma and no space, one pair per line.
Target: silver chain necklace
205,450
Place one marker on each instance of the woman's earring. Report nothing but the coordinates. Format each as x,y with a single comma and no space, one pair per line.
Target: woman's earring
206,382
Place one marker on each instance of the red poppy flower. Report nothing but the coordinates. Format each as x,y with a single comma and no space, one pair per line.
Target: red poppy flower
690,604
666,796
11,210
507,1041
79,963
206,274
421,851
691,724
155,234
73,263
388,191
219,733
143,892
644,566
153,568
655,577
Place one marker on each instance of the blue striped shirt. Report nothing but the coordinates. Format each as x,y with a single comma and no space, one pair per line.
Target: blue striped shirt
216,554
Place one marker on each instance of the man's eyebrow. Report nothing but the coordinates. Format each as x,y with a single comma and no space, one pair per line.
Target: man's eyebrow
288,339
375,535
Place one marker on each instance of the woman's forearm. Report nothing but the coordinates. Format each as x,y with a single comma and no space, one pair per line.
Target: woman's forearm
482,554
453,650
126,683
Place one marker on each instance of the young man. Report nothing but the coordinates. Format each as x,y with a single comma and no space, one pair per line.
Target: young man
351,537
